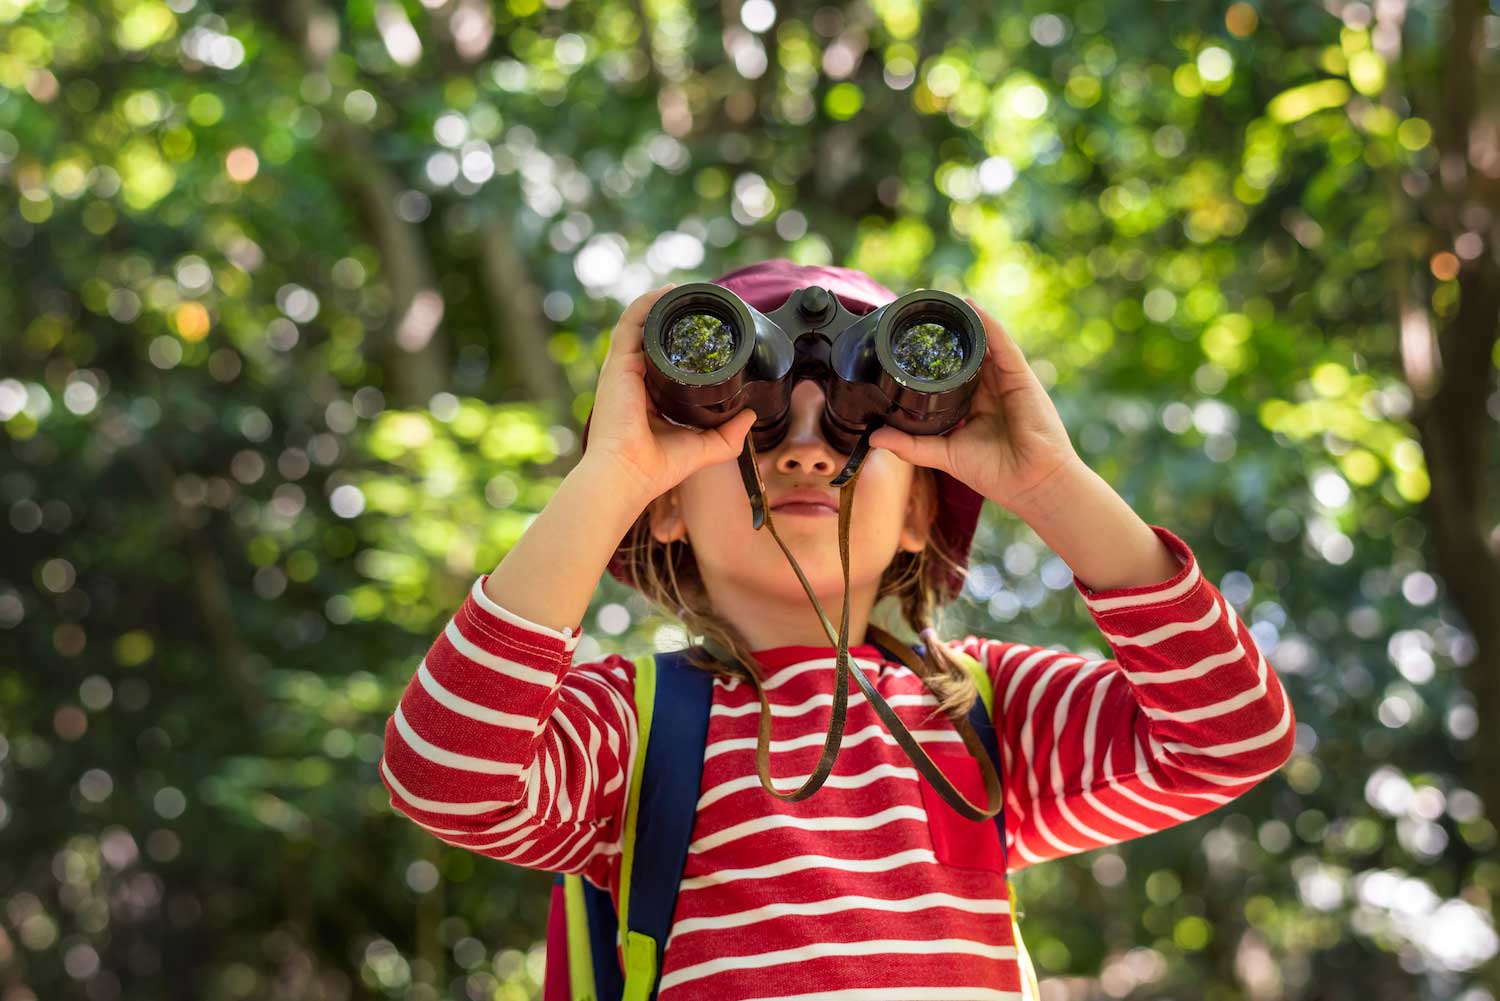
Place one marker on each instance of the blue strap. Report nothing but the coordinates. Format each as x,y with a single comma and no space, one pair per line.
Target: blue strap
669,796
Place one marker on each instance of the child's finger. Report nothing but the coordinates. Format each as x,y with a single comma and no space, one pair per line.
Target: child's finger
919,449
698,448
1007,352
629,333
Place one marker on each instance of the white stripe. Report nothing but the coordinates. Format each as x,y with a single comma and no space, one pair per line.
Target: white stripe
576,744
533,784
1107,780
1270,736
439,756
549,772
1143,772
498,664
568,637
1028,743
819,950
623,718
884,770
473,710
1034,656
465,809
758,824
798,863
1090,731
1194,670
873,731
611,734
781,675
515,846
1028,738
1024,852
1151,637
825,699
834,905
1163,594
562,857
1257,693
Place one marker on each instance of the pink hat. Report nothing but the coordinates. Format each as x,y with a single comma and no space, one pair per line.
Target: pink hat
766,285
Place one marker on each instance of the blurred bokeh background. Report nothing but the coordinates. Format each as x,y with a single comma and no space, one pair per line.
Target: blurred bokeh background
301,308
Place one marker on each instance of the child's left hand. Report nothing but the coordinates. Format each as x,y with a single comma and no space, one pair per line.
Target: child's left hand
1012,439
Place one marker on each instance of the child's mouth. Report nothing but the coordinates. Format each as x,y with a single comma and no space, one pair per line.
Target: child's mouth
814,510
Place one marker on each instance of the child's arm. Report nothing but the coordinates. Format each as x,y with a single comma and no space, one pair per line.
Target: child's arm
501,745
1184,718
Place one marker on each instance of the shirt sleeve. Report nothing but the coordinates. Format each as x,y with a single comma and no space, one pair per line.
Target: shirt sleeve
1185,717
501,745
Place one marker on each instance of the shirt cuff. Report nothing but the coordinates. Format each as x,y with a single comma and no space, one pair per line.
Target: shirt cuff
568,636
1178,586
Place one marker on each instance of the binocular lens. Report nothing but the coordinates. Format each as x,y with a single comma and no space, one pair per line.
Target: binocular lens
699,343
928,350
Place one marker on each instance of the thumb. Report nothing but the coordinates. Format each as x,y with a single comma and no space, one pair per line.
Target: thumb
712,445
919,450
735,431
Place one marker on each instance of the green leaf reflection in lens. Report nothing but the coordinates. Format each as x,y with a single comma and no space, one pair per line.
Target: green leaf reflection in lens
930,351
700,343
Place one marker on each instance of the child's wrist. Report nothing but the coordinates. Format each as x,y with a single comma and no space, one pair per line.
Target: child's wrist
621,495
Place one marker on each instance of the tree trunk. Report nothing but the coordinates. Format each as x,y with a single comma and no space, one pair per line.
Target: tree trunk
413,358
1457,433
520,327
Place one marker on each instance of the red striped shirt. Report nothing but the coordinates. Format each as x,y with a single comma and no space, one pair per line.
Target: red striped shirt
503,746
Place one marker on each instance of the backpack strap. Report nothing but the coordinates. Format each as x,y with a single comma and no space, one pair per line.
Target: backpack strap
660,814
593,926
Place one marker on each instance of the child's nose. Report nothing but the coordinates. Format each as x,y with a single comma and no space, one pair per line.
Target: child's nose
804,449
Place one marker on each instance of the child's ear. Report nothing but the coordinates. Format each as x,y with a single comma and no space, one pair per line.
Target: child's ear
921,510
667,524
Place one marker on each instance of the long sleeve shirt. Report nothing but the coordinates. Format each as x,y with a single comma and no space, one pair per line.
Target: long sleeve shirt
504,746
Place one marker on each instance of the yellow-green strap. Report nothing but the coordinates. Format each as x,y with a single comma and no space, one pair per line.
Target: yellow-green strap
981,680
580,955
640,966
639,950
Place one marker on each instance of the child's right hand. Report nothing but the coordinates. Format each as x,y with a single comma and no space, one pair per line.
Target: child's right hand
628,434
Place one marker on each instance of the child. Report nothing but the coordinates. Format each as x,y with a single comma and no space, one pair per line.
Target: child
872,887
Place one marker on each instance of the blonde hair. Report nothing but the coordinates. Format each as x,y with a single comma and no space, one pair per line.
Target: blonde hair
667,575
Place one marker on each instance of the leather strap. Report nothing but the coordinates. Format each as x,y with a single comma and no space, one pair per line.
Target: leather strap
761,513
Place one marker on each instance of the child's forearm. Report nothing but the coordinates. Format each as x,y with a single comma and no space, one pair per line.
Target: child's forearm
1096,532
550,574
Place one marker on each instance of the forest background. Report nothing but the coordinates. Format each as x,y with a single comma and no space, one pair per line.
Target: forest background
301,308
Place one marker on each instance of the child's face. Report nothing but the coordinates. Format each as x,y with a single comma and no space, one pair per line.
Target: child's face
892,511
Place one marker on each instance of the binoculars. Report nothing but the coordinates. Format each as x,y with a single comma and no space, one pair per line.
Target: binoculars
913,363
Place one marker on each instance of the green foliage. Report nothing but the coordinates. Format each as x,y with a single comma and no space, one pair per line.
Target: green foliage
303,310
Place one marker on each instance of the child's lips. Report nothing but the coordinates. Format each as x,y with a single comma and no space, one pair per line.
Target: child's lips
806,510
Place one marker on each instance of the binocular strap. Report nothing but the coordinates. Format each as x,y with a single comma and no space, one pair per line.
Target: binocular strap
750,471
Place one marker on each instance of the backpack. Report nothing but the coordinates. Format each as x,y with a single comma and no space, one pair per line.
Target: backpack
583,930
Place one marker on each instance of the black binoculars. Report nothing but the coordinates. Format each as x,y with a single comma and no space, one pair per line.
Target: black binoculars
913,363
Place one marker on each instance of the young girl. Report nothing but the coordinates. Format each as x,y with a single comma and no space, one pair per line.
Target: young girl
872,887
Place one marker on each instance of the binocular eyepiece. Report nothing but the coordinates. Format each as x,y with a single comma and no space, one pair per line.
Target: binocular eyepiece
913,363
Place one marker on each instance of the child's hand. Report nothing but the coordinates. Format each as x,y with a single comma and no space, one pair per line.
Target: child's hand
1012,439
627,433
